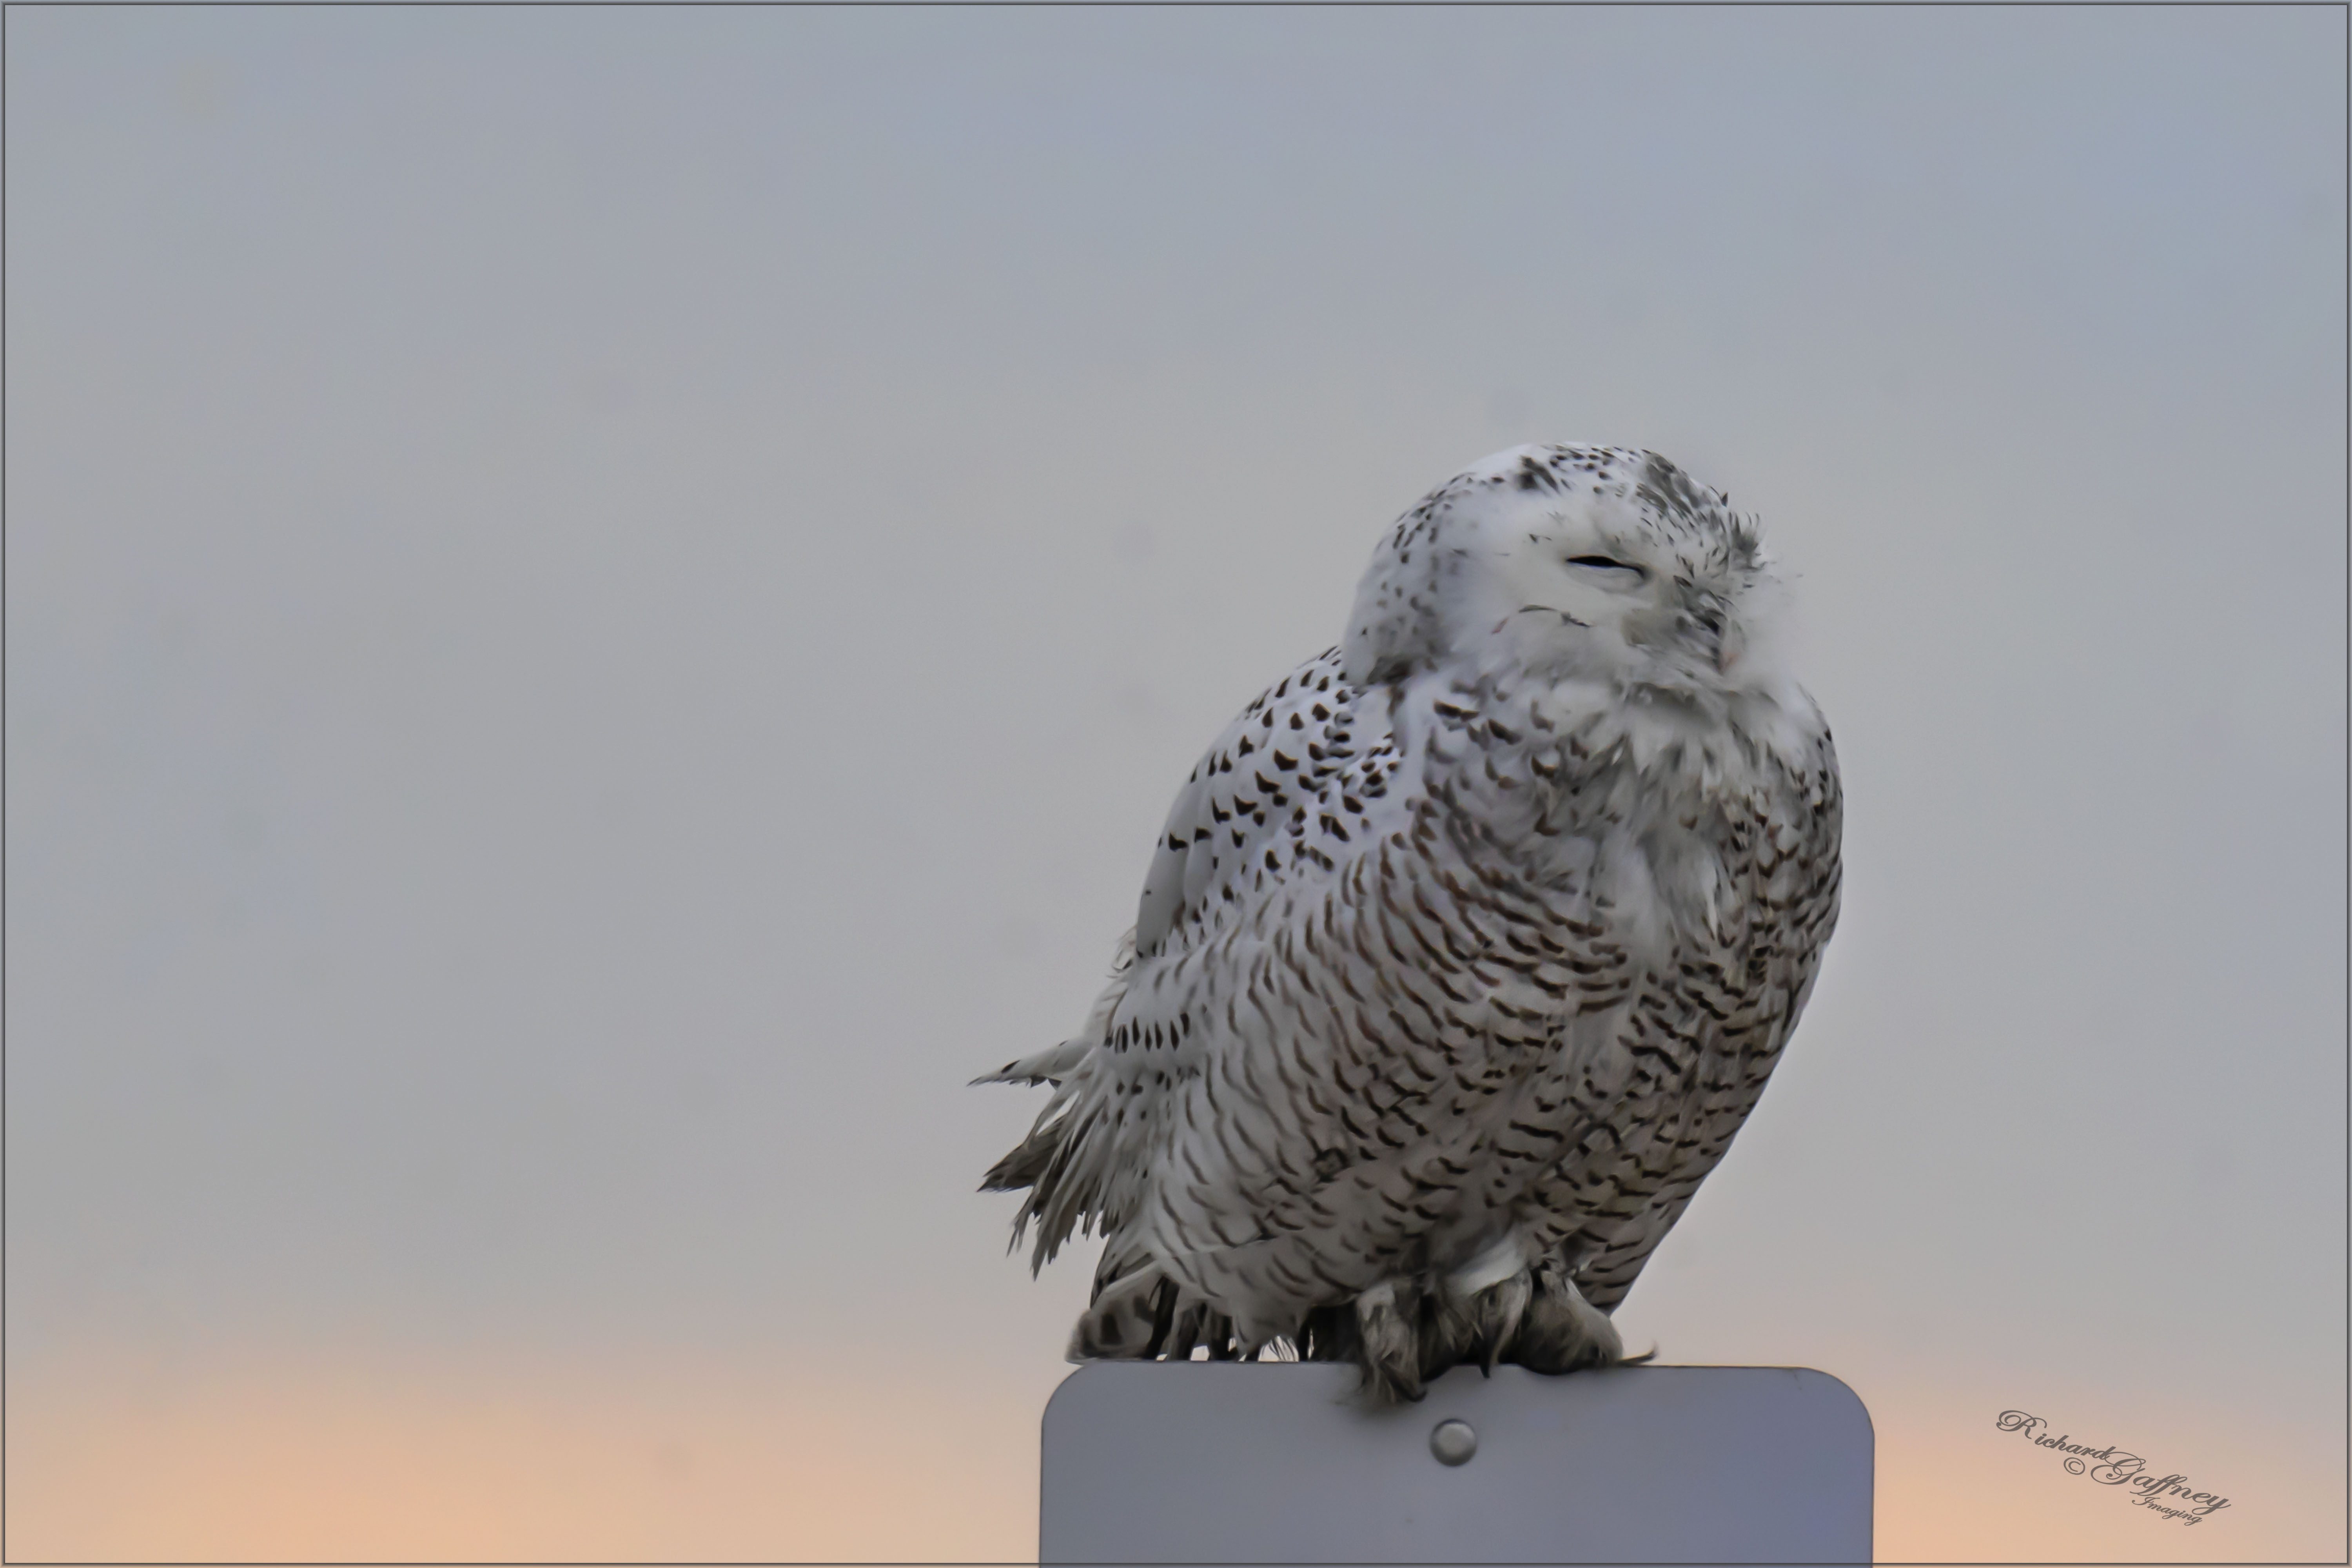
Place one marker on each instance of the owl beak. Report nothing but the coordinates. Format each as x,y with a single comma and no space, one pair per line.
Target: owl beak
1728,648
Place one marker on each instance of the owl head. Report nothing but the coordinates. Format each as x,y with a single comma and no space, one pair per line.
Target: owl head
1610,561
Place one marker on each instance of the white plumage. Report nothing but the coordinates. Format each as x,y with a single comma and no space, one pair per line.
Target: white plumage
1464,953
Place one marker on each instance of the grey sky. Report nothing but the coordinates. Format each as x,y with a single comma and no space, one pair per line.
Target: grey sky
602,605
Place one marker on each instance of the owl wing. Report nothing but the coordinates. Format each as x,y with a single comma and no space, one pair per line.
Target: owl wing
1696,1045
1298,784
1271,802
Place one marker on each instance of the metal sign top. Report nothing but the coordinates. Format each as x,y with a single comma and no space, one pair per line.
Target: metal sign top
1237,1462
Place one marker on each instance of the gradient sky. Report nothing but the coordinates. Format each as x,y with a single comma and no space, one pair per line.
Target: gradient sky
604,605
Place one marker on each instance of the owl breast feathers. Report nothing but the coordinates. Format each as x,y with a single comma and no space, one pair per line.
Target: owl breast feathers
1464,952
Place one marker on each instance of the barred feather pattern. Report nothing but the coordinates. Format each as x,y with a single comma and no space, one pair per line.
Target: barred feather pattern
1465,951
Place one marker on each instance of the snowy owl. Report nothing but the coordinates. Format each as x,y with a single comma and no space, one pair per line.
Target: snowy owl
1464,953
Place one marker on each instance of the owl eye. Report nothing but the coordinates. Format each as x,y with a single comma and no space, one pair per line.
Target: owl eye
1606,564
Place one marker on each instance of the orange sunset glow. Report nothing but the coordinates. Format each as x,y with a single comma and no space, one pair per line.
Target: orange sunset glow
300,1459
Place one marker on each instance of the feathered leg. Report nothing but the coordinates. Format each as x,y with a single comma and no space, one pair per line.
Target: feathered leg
1403,1333
1123,1323
1388,1342
1560,1331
